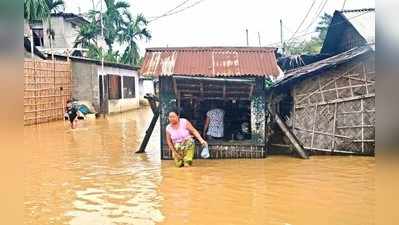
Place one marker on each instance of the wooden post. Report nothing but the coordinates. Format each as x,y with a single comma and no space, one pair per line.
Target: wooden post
350,85
54,91
334,125
365,77
148,132
362,114
314,125
321,91
336,88
293,110
35,89
298,146
167,101
258,113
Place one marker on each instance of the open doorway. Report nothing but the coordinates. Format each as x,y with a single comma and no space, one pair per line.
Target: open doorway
197,96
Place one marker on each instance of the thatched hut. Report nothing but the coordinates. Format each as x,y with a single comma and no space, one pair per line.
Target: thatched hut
329,105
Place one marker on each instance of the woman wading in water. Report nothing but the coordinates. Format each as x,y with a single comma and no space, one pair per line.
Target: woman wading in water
180,141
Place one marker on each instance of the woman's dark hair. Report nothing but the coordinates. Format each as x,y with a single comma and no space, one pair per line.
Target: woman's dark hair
174,111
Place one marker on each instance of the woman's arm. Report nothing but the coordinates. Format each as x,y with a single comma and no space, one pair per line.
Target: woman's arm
196,134
170,144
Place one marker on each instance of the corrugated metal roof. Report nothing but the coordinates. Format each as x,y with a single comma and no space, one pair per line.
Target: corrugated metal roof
210,61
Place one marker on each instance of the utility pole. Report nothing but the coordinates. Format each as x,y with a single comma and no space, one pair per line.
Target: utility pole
281,35
260,44
31,41
102,35
246,31
102,54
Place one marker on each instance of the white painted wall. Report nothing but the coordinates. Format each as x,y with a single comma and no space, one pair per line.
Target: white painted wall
65,33
123,104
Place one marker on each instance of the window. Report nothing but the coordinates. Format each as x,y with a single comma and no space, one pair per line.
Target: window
114,87
129,89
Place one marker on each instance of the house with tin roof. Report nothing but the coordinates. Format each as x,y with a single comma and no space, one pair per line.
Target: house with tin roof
191,79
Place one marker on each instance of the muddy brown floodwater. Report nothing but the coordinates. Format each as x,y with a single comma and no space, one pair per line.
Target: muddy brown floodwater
91,176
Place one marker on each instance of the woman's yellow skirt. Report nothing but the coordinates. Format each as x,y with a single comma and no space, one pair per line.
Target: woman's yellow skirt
186,150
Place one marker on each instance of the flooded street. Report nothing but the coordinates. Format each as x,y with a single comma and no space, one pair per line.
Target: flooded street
91,176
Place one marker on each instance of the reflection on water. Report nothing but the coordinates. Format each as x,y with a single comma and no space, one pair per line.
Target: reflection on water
91,176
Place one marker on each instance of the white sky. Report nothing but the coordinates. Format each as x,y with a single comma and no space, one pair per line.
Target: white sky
223,22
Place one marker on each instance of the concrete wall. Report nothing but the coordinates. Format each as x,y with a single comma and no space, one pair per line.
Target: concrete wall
124,104
85,85
65,33
85,82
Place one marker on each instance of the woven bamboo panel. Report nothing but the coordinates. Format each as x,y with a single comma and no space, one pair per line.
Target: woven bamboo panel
48,85
336,112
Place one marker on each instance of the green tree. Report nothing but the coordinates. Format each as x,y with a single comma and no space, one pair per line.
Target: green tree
35,10
133,29
88,32
54,6
323,25
87,35
113,20
313,45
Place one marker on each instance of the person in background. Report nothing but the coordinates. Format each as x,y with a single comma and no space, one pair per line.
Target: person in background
214,122
179,137
72,111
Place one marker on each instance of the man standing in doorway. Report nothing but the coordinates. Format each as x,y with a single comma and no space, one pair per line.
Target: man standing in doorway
214,123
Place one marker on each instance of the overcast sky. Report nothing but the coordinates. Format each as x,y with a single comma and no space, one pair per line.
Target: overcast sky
223,22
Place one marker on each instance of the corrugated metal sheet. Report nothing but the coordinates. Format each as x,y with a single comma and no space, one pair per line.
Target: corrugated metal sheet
210,61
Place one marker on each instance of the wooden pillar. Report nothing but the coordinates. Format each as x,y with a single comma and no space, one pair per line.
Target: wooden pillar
167,102
258,112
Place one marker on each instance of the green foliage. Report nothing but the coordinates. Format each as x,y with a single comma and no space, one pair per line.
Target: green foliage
55,6
113,19
323,25
94,52
132,30
313,45
87,35
36,10
119,26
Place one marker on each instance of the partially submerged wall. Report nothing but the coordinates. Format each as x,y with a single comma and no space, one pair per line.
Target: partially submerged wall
46,90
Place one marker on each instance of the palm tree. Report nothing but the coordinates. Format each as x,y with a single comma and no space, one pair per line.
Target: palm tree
132,31
54,6
35,10
87,35
113,20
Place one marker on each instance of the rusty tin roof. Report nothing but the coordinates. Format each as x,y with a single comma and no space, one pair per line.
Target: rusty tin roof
210,61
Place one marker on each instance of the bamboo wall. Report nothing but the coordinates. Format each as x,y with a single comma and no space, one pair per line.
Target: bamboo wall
336,112
46,90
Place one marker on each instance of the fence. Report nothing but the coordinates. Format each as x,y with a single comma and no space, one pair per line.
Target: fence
47,88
